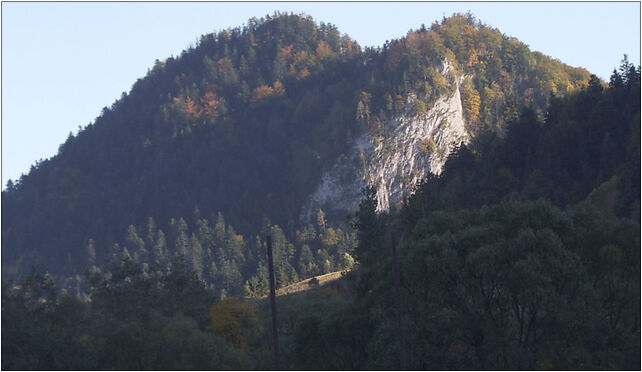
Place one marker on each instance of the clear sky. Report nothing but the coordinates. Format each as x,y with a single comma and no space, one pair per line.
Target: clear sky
63,62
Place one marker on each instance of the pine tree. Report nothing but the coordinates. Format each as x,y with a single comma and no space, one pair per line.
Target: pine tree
196,256
151,232
181,241
306,258
220,231
608,157
321,220
160,249
135,244
91,253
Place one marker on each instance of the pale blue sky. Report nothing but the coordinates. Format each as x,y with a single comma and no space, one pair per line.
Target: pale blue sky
63,62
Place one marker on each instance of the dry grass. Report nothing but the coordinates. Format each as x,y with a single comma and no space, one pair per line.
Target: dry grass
305,285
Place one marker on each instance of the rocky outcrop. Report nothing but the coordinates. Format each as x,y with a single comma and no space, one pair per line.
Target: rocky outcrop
411,146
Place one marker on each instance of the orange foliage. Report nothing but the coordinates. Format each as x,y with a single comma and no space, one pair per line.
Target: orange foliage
262,92
189,106
266,91
304,73
210,104
323,50
278,88
303,59
351,46
299,67
472,60
469,30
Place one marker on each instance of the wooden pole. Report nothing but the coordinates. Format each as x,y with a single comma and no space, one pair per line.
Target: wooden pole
275,333
400,334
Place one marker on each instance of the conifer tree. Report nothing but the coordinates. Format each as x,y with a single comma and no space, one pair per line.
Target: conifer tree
91,253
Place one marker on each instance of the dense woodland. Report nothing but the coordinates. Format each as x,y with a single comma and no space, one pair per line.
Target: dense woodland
523,254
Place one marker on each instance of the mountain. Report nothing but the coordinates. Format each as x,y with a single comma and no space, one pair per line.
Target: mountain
517,256
517,249
276,125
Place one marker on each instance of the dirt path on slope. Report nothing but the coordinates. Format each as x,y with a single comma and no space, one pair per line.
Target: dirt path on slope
305,285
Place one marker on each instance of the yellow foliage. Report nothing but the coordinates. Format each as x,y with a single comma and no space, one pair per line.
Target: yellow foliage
278,88
438,81
471,101
304,73
239,239
323,50
529,96
330,237
232,319
299,67
303,59
473,60
552,87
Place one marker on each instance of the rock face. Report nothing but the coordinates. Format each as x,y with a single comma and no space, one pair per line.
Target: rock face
410,147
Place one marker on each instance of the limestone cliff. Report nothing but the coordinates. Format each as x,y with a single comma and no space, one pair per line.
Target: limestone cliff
411,146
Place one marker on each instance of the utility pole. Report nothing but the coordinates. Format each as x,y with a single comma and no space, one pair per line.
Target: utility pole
400,335
275,333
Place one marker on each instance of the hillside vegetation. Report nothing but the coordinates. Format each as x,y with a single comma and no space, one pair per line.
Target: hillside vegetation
523,253
240,129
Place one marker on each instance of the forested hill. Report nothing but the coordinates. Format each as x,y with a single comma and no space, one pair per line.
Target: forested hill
230,139
518,250
522,259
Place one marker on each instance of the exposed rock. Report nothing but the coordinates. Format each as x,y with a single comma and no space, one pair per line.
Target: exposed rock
410,147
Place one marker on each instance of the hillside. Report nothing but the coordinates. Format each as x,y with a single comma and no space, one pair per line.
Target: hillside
518,249
279,124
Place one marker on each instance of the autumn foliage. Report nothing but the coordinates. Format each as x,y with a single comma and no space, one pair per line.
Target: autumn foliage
210,103
232,319
266,91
